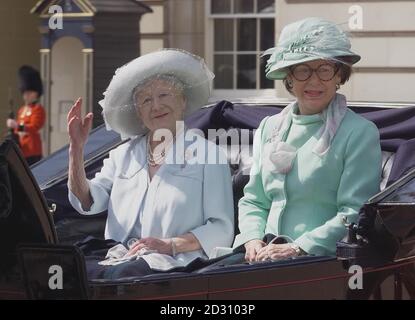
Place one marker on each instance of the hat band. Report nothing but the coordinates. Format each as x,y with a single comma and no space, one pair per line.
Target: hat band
300,55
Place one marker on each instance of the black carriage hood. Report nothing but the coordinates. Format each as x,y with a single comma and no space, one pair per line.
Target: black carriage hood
51,173
386,226
54,168
24,214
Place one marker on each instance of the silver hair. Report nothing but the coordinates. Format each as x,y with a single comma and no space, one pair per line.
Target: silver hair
173,80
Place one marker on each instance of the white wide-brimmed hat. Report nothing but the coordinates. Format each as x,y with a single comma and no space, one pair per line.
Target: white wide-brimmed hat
118,107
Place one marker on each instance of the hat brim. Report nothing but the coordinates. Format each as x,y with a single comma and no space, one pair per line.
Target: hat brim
118,105
279,71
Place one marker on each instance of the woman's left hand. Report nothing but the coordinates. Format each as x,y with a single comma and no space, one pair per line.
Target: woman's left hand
163,246
276,251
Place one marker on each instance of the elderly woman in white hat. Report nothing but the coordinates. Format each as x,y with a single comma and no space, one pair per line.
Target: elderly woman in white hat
163,204
317,161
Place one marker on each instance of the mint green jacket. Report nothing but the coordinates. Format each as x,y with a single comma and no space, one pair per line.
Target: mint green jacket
309,202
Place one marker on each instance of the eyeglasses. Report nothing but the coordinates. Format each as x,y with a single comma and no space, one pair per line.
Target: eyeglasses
325,72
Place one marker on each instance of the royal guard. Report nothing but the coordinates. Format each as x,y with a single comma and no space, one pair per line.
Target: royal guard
31,116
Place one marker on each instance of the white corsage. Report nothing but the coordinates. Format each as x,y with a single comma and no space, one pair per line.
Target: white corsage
279,157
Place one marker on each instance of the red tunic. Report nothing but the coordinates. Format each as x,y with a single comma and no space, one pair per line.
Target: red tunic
30,120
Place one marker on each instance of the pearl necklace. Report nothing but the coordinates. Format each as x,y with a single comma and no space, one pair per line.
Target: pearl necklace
156,159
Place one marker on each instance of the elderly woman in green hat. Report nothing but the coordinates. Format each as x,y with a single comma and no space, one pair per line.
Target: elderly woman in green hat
316,162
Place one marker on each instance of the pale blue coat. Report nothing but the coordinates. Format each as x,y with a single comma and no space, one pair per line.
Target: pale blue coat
181,198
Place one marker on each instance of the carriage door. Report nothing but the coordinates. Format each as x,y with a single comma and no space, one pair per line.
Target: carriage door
67,84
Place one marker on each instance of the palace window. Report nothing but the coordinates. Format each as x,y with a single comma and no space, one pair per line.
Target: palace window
240,31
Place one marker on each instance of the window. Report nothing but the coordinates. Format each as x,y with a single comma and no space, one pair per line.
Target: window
241,30
152,26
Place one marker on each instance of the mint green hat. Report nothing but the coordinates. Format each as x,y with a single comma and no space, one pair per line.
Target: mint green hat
307,40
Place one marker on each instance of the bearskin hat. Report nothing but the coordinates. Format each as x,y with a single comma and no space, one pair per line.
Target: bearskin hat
30,80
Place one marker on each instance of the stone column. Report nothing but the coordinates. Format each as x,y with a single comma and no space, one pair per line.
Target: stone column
88,76
45,63
189,33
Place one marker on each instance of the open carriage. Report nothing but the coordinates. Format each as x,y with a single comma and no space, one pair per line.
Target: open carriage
38,226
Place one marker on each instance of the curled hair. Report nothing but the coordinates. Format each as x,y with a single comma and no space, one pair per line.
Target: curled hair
171,79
